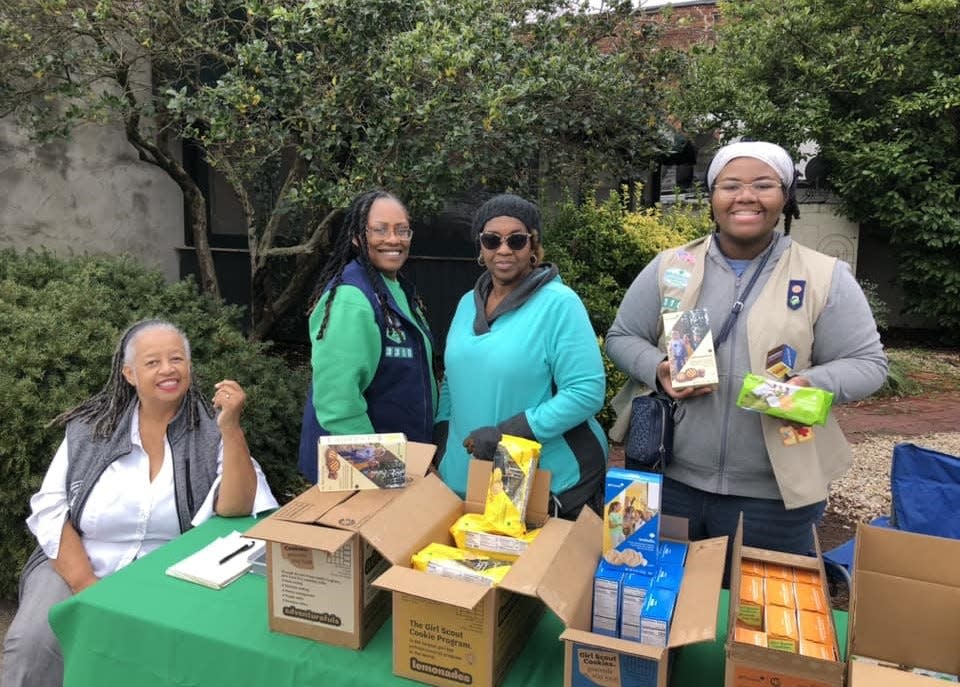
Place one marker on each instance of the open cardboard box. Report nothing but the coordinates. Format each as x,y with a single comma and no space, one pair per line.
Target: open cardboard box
323,552
453,632
904,607
749,665
595,659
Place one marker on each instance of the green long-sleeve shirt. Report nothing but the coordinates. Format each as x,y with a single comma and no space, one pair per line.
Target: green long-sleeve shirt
345,360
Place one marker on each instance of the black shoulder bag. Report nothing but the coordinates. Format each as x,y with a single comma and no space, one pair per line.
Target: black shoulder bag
649,444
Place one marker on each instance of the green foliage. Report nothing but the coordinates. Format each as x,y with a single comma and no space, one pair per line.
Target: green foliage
600,248
59,324
879,307
426,97
877,85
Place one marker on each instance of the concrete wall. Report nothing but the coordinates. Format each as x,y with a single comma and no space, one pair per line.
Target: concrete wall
820,228
89,195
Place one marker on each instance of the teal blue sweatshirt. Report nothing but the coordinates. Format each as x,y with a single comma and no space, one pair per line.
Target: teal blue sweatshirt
540,358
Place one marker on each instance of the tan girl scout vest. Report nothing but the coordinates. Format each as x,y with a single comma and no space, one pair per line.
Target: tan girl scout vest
803,470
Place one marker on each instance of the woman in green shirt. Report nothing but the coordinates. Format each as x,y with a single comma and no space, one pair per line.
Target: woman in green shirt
371,347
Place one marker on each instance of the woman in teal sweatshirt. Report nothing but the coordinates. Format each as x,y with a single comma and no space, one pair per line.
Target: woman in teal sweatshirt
521,358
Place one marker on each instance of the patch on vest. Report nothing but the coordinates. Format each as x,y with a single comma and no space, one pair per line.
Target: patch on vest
669,304
399,352
396,335
685,257
676,278
795,292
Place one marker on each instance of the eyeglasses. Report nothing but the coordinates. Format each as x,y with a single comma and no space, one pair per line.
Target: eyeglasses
401,232
492,241
763,187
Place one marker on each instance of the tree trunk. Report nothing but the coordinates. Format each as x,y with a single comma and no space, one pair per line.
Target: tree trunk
266,310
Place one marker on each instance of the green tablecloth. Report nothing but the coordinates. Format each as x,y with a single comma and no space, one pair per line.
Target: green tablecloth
141,627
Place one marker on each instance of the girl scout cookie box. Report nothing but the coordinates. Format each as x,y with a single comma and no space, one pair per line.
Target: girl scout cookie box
593,659
450,632
325,548
631,519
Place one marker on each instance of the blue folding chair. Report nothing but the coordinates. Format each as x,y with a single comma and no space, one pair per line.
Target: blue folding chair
925,498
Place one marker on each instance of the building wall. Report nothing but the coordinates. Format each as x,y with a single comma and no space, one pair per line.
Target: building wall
822,229
89,195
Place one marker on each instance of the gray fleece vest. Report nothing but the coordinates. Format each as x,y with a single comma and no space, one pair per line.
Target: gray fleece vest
194,453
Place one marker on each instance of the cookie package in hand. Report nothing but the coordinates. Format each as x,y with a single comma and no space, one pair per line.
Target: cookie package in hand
802,404
511,480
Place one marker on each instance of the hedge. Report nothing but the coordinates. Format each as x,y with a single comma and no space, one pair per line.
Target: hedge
60,320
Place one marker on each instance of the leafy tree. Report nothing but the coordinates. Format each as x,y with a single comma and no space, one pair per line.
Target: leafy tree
877,84
301,104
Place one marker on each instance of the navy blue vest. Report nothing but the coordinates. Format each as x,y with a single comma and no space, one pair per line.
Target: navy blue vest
400,397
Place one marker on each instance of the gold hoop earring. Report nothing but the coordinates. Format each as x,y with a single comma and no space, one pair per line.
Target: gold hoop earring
480,261
534,260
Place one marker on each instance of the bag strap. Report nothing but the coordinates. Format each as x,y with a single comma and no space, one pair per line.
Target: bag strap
738,303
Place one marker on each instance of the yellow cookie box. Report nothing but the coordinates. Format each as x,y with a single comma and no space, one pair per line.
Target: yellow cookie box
750,612
781,626
449,561
473,533
779,592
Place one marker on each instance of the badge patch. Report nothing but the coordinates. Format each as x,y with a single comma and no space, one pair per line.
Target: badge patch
676,277
795,293
669,304
398,352
685,257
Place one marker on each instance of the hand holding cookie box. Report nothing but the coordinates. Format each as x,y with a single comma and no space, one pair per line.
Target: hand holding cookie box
802,404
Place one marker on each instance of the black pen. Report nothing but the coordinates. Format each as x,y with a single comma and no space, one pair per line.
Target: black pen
249,545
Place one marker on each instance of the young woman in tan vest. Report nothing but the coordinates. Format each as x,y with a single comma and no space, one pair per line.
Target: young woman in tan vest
728,460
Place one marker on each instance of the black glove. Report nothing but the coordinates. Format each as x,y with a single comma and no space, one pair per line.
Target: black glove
517,426
482,442
440,432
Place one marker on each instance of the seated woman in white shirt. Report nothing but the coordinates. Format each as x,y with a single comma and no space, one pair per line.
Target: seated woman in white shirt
142,461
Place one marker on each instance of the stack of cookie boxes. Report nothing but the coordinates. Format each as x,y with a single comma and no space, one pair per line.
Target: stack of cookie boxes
650,594
780,627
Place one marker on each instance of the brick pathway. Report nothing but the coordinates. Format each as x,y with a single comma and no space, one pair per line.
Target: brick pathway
913,415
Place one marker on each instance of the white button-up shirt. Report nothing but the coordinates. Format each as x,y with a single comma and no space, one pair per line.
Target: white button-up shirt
126,515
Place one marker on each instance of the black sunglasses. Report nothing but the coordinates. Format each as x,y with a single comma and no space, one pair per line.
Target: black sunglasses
492,241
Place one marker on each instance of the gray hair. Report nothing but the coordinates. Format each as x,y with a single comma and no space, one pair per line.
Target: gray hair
147,325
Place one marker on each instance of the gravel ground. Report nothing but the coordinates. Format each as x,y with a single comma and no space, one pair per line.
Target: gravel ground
864,492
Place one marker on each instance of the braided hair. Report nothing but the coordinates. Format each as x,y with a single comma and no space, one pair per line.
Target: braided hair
350,244
105,408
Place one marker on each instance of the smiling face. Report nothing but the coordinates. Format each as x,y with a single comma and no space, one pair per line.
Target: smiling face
507,267
387,251
159,367
746,219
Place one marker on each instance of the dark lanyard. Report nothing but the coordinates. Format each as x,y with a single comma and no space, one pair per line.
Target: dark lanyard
741,299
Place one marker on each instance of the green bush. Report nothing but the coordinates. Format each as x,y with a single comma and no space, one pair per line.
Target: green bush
879,307
600,248
60,320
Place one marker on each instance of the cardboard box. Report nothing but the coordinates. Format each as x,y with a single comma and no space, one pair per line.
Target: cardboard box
592,659
324,549
362,461
904,607
452,632
748,665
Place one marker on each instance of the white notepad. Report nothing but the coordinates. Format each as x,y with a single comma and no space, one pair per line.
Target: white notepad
220,562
